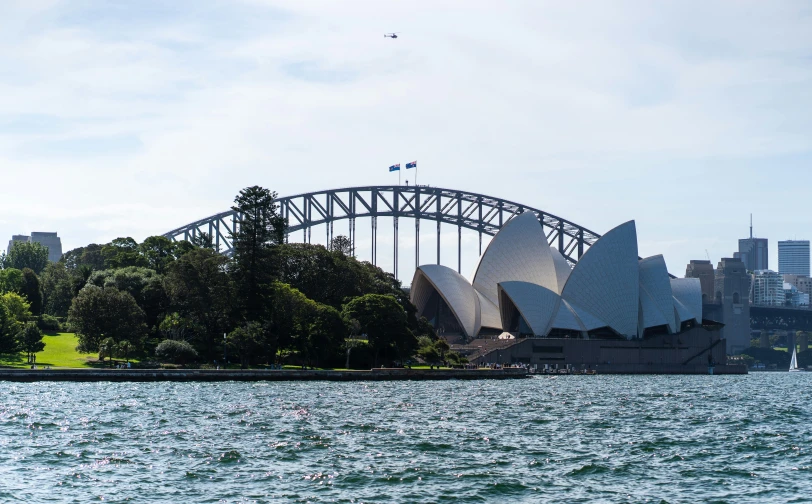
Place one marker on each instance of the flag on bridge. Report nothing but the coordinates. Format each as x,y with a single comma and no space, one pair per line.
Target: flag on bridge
395,167
413,164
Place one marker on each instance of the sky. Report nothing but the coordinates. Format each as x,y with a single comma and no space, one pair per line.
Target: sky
132,118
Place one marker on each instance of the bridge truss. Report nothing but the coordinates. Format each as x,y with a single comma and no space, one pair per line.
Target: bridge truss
465,210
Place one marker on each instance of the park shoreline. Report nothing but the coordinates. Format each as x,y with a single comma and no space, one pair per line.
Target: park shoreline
253,375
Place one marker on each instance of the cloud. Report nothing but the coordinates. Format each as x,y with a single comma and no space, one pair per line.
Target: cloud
597,114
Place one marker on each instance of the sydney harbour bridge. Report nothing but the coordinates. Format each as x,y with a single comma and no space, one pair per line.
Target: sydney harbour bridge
433,206
426,205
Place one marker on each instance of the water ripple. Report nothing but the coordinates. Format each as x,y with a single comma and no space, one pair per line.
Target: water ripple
575,439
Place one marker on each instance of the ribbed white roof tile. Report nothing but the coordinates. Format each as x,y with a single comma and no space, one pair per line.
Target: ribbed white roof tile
656,298
688,291
536,304
588,321
605,282
562,268
489,313
565,318
455,290
682,312
518,252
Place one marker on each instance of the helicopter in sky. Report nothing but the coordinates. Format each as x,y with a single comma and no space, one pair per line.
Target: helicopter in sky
391,35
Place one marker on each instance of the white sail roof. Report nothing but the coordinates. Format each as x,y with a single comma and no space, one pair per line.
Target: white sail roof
536,304
688,291
518,252
656,298
605,282
489,313
455,290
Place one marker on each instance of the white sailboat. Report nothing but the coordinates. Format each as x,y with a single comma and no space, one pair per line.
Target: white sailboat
793,364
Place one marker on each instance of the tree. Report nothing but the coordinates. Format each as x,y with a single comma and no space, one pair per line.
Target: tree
90,256
352,341
107,349
97,313
343,245
121,253
259,230
31,255
177,352
16,306
325,333
159,252
30,340
178,328
144,284
124,349
32,290
384,321
427,351
287,320
201,291
59,286
204,240
11,280
246,339
9,328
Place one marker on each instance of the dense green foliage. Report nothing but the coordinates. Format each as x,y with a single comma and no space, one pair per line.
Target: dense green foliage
99,313
9,327
32,290
769,356
275,303
383,321
261,229
11,280
27,255
179,352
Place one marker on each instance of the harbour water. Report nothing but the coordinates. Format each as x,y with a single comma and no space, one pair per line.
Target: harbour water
555,439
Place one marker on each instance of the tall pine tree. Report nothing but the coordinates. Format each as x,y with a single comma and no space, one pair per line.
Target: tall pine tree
259,229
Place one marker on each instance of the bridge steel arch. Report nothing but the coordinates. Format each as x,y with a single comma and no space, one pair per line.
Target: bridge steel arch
466,210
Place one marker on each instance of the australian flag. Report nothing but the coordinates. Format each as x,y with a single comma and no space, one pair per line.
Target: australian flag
395,167
413,164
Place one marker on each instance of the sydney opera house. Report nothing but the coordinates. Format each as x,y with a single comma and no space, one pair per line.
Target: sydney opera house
611,309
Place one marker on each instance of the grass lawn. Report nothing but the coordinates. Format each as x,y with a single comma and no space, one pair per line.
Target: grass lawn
60,351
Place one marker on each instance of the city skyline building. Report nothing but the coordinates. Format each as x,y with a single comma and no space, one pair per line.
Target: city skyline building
793,257
46,239
753,252
703,270
800,282
793,297
767,288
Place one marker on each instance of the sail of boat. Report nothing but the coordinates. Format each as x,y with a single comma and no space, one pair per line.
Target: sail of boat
793,364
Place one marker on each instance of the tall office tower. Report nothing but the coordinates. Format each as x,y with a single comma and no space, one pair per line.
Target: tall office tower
793,257
50,240
703,270
753,252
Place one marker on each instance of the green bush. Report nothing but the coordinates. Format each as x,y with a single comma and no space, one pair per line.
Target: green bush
48,323
178,352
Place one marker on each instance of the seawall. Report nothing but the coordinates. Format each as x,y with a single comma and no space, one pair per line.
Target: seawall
210,375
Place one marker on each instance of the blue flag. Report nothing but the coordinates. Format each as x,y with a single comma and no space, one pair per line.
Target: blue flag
413,164
394,167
